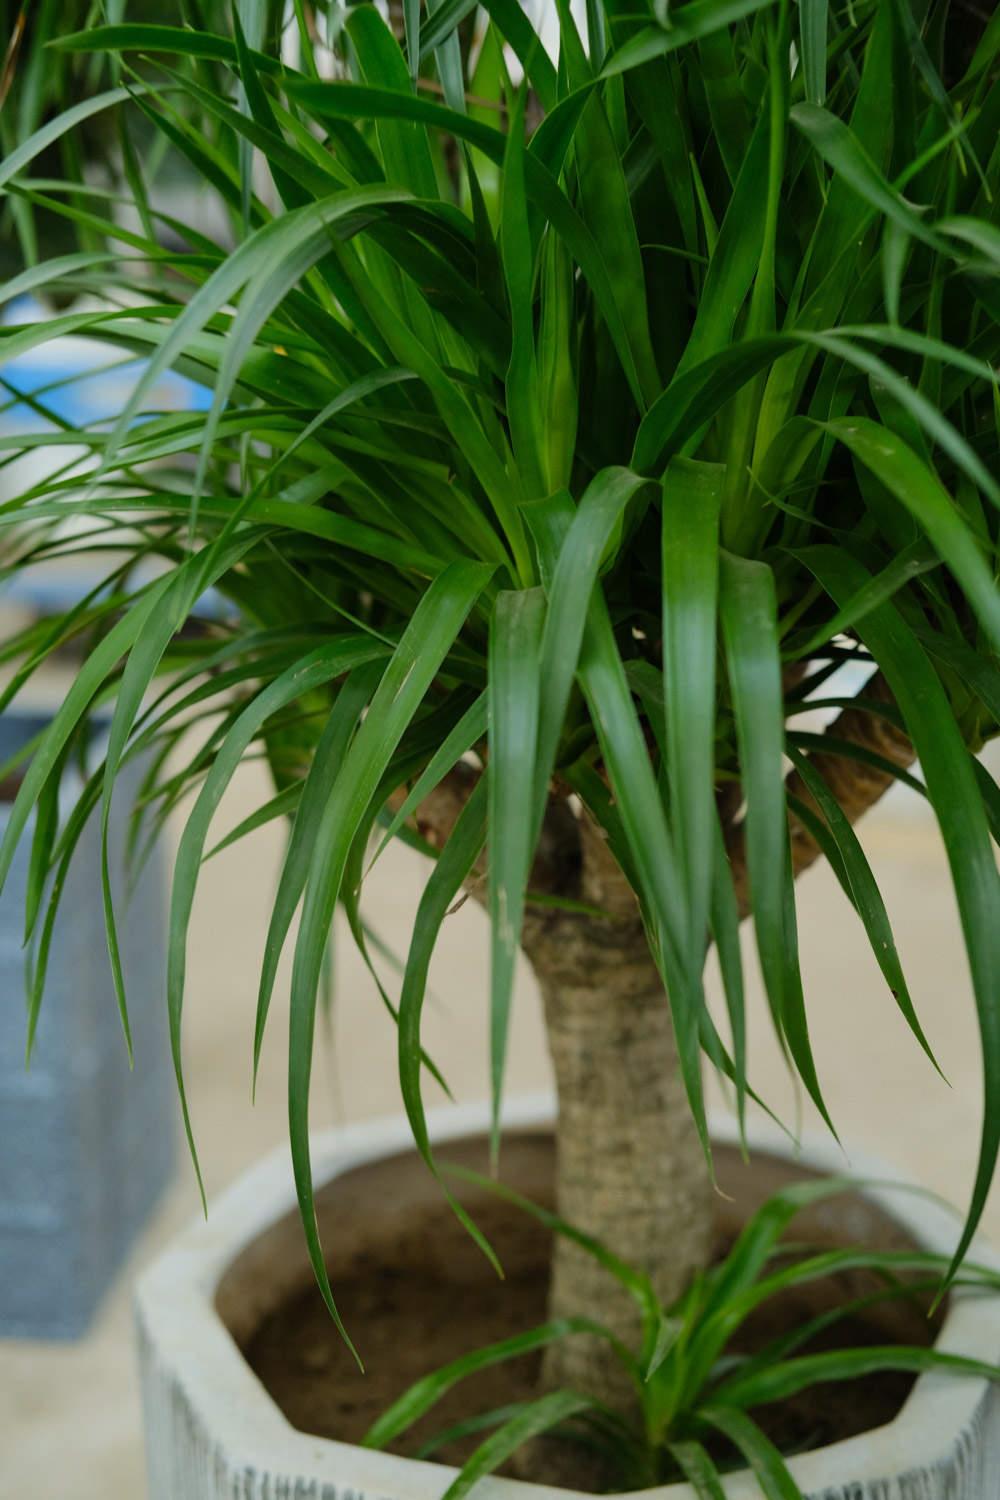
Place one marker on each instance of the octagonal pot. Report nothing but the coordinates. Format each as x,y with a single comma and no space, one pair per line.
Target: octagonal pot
213,1432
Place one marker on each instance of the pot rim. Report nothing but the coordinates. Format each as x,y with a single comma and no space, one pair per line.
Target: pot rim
182,1332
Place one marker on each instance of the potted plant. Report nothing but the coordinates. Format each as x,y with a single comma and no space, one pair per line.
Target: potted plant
578,416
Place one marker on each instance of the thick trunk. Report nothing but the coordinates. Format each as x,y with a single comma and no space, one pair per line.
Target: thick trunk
630,1168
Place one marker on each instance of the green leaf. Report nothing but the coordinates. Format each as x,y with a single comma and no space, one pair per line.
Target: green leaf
403,149
446,19
957,803
888,1263
521,383
86,684
54,130
39,957
557,381
916,405
691,500
687,24
571,547
667,1335
426,1392
469,731
990,793
839,147
607,209
52,269
319,667
517,30
635,1282
813,29
862,890
749,623
281,805
736,257
828,743
448,56
980,674
754,1247
906,476
479,1423
306,231
351,101
536,1418
462,421
514,682
786,1378
698,1469
169,612
176,39
602,677
411,22
725,919
767,1464
423,646
605,685
327,759
913,561
452,868
42,845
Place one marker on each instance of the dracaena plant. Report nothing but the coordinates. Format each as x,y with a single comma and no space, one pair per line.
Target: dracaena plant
581,404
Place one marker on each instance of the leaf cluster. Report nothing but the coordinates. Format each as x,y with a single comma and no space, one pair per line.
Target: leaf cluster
698,1404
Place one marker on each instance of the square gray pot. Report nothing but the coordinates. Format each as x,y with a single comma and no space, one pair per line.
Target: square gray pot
87,1147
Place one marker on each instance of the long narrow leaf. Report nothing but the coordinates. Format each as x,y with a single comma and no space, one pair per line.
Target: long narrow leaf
515,642
749,620
422,647
958,805
691,500
539,1417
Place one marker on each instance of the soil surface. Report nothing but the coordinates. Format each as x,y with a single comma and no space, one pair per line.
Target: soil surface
415,1293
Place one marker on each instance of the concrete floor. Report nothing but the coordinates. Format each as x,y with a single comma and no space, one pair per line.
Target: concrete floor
82,1400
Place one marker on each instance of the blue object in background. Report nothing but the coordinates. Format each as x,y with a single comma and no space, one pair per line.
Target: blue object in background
78,392
83,382
86,395
87,1147
86,384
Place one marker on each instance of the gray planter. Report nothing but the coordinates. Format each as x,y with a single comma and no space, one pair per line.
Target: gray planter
87,1147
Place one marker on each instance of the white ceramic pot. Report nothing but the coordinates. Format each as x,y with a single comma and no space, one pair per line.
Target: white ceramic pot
214,1433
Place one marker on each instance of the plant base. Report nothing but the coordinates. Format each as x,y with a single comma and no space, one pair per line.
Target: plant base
235,1295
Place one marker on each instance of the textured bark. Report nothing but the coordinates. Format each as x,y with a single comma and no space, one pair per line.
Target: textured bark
630,1167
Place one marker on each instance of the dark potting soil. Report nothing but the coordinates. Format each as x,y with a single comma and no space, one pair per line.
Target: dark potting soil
415,1294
